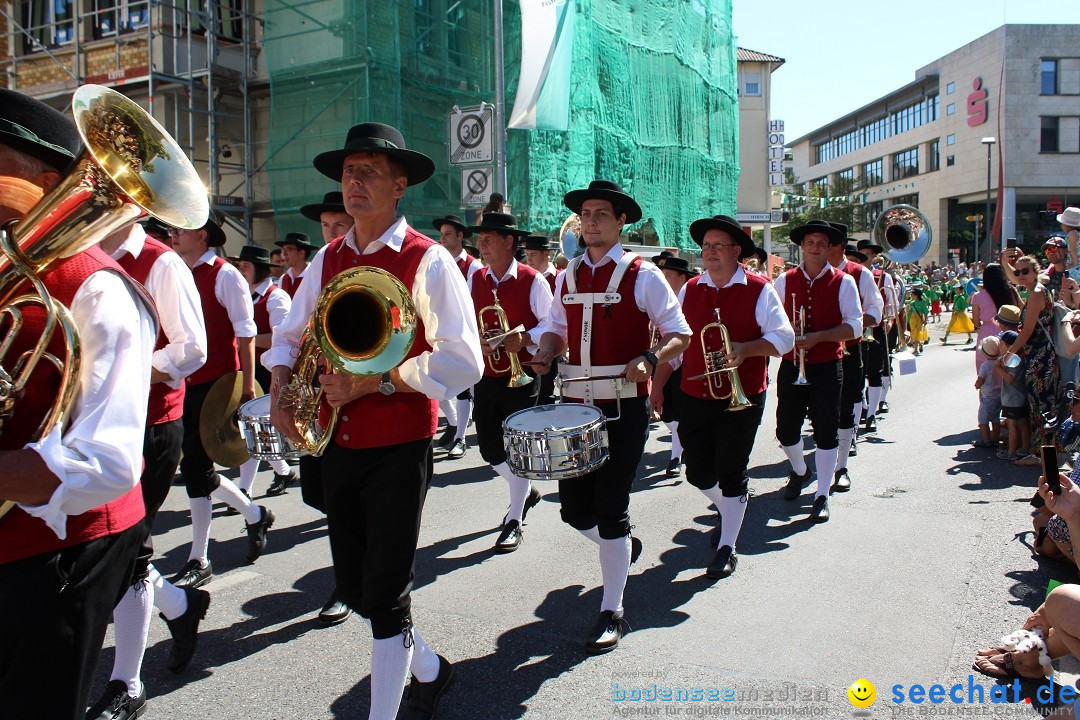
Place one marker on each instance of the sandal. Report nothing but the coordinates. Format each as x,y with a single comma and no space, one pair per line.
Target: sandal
1000,666
1029,460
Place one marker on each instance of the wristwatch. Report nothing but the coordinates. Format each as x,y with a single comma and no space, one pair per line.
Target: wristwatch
651,358
386,387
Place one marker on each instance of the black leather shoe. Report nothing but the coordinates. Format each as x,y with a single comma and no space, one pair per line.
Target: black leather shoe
883,408
334,611
116,704
510,537
530,502
193,575
423,698
185,629
447,438
820,512
723,563
257,534
457,450
605,635
854,451
674,468
635,549
230,510
841,481
871,424
281,483
796,483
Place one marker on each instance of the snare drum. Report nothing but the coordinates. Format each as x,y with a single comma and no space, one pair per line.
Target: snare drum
555,442
263,440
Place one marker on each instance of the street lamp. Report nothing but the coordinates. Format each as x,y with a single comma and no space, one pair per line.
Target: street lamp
989,143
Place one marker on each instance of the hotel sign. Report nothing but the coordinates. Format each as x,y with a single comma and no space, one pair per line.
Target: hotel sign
776,153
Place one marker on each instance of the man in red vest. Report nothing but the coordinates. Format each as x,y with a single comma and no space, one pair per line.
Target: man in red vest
457,411
717,442
877,358
68,547
333,221
677,272
296,248
230,337
525,298
827,300
538,251
378,465
603,306
180,351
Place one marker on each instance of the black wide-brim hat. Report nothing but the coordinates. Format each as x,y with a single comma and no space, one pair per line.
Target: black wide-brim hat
502,223
679,265
864,245
728,224
153,225
215,236
538,242
255,254
761,255
454,221
604,190
30,126
842,228
853,250
376,138
818,226
299,239
332,202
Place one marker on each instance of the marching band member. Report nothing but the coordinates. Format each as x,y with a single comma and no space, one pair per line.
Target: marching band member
677,272
717,443
230,337
270,306
180,350
452,234
68,548
525,298
333,221
827,301
538,252
378,465
606,336
296,248
877,363
853,380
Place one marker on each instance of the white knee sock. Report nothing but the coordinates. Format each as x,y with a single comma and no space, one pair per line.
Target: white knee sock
247,474
732,512
795,457
519,491
592,533
464,410
886,383
390,661
676,444
201,512
858,412
825,462
873,397
425,663
715,496
614,567
228,493
846,435
280,467
449,411
131,622
169,599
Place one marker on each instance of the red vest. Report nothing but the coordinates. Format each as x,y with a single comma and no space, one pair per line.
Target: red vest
737,305
855,271
262,313
551,279
822,302
377,420
166,403
21,535
464,263
620,332
514,300
289,285
221,356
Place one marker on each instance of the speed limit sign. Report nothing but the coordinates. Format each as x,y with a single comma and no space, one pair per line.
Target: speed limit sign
470,135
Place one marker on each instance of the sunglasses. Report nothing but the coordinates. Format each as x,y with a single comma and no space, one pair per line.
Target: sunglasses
1024,271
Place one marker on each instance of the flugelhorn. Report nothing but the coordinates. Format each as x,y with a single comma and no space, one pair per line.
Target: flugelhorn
800,316
492,320
716,367
131,168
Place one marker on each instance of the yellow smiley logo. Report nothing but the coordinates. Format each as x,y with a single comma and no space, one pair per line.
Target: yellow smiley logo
862,693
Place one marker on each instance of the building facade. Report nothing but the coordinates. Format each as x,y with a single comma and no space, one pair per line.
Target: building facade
928,144
757,155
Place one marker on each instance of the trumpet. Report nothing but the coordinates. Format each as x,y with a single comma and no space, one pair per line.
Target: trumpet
716,367
498,325
799,335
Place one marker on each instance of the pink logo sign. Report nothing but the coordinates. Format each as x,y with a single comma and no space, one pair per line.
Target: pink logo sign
978,108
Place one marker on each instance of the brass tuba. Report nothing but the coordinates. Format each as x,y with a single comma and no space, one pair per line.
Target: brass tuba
904,232
130,168
716,367
364,323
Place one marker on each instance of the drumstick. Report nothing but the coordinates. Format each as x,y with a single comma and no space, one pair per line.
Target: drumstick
591,379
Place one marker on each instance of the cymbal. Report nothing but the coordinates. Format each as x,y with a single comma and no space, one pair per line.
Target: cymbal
218,429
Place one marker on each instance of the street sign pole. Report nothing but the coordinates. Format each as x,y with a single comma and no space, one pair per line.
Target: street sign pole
500,104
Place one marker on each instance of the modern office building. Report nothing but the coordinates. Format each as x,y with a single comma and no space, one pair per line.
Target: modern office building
927,144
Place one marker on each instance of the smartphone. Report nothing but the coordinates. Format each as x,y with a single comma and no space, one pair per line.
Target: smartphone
1012,243
1050,468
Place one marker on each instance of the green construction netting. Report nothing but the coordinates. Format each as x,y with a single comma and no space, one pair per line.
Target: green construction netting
653,102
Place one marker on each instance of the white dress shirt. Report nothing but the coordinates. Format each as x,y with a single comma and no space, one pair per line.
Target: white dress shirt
179,310
539,298
889,291
869,295
278,304
442,302
652,295
233,293
297,278
850,307
98,457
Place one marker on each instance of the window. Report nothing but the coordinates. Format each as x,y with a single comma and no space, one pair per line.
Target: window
905,164
872,174
950,108
1048,77
48,23
950,161
912,200
753,84
950,139
1048,140
845,181
933,156
864,221
950,88
821,185
112,16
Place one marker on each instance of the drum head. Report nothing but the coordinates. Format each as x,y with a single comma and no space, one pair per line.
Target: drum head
547,418
257,408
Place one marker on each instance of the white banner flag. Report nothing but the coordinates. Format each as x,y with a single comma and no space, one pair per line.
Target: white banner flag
547,47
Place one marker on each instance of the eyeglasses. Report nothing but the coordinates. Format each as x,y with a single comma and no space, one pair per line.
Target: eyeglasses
711,247
1024,271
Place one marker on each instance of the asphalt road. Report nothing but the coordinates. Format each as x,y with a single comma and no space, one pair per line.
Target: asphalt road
926,559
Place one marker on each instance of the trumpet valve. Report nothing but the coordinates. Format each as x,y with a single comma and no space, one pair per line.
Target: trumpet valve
715,360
